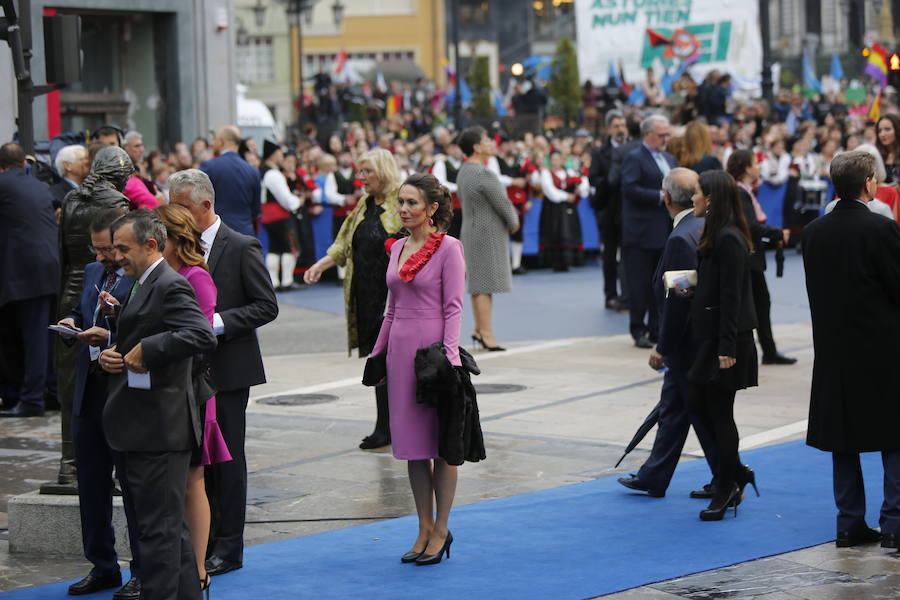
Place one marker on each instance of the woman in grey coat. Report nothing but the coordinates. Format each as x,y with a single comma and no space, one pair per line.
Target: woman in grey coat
488,220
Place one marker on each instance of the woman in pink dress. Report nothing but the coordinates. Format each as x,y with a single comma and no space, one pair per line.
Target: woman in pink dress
426,279
184,253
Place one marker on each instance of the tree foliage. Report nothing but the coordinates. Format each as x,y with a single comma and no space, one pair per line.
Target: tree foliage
480,83
565,92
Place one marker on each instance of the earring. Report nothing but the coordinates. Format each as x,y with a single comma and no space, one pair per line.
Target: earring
431,221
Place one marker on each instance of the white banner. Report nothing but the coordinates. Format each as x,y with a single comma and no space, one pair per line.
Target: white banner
723,33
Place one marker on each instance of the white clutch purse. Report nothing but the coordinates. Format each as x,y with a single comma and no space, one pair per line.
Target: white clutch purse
679,280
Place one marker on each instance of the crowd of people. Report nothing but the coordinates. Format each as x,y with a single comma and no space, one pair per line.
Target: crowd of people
151,267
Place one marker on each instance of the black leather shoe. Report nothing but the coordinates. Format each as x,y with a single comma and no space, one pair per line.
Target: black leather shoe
22,410
613,304
519,271
890,540
846,539
643,341
706,492
129,591
67,474
92,583
778,359
219,566
632,482
376,440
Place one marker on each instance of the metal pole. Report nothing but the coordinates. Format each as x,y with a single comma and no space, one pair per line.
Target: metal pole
765,33
300,71
19,38
457,101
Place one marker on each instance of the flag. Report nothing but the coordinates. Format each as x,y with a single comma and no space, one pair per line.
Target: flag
877,66
465,94
394,103
875,111
837,70
499,105
625,87
613,78
809,74
341,61
636,96
380,83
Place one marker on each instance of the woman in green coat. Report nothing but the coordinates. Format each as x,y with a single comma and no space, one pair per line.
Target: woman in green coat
359,248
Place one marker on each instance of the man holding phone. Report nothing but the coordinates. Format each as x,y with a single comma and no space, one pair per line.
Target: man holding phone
105,286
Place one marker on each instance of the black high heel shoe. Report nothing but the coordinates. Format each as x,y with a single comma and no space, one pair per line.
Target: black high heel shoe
410,557
205,584
479,340
433,559
748,476
716,509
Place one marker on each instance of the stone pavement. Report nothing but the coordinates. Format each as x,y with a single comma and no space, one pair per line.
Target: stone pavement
579,401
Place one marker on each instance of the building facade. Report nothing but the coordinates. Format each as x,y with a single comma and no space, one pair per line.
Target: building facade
830,25
378,35
163,67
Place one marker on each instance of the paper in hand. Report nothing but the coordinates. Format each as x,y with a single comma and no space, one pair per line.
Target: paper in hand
64,331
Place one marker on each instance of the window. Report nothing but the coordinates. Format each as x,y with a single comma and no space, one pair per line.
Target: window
813,17
255,62
473,12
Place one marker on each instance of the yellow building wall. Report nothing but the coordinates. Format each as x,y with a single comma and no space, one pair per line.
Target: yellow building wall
421,33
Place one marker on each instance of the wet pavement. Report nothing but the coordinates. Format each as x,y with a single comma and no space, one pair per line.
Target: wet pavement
582,399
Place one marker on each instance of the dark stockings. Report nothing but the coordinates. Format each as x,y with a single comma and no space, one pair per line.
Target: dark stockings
714,406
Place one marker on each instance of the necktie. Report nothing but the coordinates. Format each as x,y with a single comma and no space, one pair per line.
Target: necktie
134,290
110,281
662,163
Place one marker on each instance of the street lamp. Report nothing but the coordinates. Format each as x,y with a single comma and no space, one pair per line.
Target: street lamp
259,13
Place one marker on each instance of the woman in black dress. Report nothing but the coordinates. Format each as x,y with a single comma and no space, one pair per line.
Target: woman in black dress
723,319
359,247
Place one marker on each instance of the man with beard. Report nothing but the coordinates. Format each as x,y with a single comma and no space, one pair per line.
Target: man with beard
93,455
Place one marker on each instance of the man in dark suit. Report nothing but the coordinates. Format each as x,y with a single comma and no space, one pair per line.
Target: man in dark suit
92,452
29,273
607,201
852,262
674,350
151,416
645,224
237,184
246,301
72,165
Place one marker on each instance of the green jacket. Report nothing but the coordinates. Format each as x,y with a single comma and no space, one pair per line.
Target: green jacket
341,251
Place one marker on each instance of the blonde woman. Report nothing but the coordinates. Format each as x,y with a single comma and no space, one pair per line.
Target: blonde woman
359,248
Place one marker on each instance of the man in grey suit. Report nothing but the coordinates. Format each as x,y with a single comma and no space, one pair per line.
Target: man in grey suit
151,415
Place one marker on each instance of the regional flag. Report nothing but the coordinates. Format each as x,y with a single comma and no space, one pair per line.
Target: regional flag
877,66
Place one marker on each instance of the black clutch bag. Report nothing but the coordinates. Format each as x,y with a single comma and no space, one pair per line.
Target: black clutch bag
376,370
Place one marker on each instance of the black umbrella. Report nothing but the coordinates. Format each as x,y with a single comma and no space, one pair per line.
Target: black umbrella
645,427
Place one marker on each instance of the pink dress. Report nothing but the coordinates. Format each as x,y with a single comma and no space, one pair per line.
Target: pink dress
138,194
214,449
420,312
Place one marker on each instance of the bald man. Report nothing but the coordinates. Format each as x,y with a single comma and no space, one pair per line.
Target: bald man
236,183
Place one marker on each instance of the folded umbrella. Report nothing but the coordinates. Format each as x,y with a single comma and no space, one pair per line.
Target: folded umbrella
639,435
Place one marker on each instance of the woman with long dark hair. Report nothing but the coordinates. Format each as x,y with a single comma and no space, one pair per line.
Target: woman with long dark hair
723,319
426,277
888,143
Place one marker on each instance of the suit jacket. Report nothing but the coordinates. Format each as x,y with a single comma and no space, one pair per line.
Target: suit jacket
679,253
163,316
604,177
645,221
29,255
852,261
83,314
722,305
237,187
59,190
245,302
758,231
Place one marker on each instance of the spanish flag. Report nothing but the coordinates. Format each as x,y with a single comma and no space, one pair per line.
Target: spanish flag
875,111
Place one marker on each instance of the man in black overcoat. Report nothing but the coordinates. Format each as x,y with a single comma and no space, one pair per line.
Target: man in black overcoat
29,275
246,301
852,262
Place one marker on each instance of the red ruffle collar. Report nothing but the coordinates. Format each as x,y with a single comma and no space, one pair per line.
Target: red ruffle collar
418,260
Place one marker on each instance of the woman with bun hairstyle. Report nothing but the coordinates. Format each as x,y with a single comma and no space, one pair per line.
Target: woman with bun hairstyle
426,279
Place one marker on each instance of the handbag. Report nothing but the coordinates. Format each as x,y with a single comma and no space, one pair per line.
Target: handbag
272,211
375,370
201,378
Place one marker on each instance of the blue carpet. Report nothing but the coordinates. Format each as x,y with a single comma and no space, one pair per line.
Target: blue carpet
575,541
